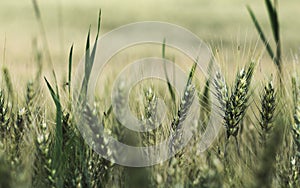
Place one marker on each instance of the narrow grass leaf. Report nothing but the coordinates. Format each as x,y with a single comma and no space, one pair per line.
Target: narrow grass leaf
273,19
170,88
57,159
261,33
70,69
89,60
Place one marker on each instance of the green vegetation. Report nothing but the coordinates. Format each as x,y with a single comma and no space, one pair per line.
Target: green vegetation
40,145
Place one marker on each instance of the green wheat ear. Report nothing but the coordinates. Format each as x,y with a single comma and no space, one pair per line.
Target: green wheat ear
184,107
268,106
296,124
4,117
234,107
295,164
150,118
44,173
8,83
238,101
222,93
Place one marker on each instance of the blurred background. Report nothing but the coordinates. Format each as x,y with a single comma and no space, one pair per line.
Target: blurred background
222,23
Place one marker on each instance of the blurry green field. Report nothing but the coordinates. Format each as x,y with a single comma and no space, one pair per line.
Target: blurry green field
223,23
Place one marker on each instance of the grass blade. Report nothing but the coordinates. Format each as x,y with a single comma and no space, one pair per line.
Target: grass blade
92,57
70,69
57,154
99,24
89,60
273,19
261,33
273,16
52,92
172,92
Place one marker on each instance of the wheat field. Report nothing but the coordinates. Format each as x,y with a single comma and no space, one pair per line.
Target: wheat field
255,91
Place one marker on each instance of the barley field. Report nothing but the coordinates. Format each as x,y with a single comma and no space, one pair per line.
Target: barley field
49,128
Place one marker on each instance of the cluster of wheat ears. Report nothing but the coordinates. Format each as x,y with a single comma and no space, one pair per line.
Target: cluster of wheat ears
258,147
